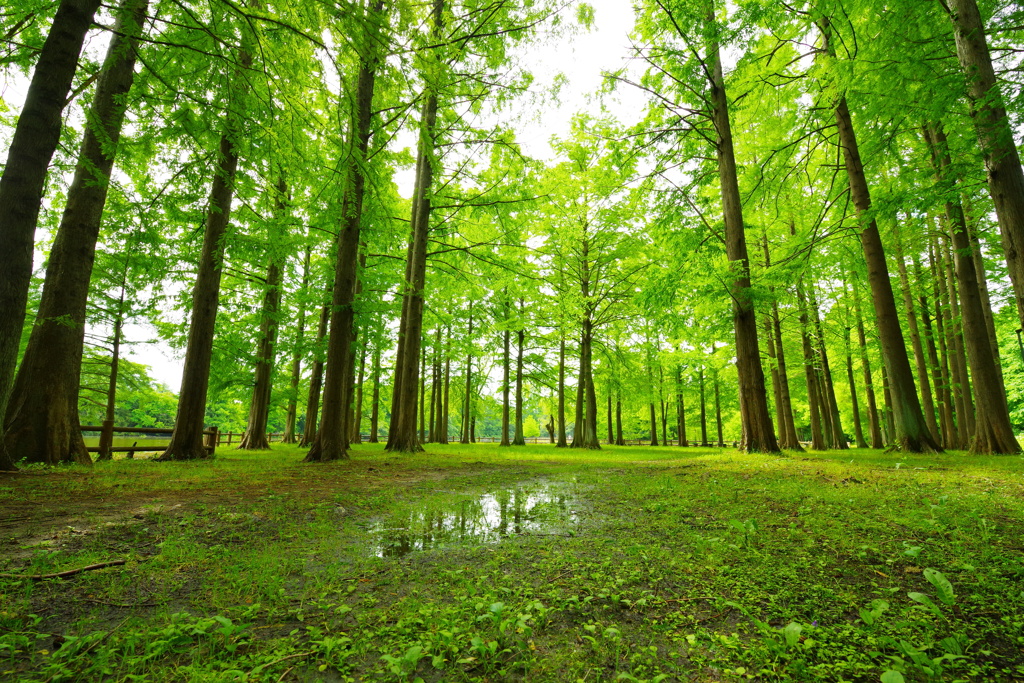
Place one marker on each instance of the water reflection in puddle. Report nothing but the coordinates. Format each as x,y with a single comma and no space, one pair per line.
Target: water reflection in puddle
544,508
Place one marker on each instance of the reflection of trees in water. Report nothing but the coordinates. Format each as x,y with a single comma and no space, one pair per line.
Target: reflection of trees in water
487,519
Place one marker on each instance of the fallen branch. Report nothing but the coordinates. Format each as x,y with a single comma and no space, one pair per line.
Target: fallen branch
125,606
283,659
64,575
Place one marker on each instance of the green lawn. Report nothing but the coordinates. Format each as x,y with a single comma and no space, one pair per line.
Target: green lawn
474,563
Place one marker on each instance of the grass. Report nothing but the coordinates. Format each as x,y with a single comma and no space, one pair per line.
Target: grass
636,564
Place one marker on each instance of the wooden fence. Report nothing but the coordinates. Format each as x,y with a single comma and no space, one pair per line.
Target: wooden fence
211,438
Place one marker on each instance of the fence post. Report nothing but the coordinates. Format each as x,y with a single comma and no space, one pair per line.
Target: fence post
211,439
106,439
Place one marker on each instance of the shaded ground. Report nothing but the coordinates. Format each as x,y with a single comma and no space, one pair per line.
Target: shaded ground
480,563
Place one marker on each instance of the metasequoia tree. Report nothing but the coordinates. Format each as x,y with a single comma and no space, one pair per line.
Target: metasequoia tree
41,423
332,438
698,28
21,185
910,429
187,440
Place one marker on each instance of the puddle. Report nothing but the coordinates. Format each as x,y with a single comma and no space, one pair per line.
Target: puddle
544,508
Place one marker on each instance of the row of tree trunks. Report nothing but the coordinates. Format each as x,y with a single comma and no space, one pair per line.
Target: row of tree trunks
255,437
41,423
910,431
292,411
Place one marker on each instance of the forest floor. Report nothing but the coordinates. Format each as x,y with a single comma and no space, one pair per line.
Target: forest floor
474,563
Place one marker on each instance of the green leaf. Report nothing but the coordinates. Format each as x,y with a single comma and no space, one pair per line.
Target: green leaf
942,585
892,677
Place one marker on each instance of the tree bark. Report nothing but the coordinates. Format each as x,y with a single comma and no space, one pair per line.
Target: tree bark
958,340
403,438
654,426
611,431
585,435
375,406
680,409
35,139
357,421
561,394
106,440
938,378
619,441
443,419
255,437
316,377
874,426
506,363
945,367
467,402
703,412
332,438
814,399
41,422
993,432
187,439
758,431
961,435
718,411
830,402
927,404
292,412
995,137
791,440
520,438
911,430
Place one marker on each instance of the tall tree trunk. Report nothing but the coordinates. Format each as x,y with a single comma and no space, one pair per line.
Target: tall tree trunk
35,139
115,365
443,421
586,404
995,137
890,426
758,431
718,411
993,432
435,389
255,437
357,422
958,340
979,268
561,394
423,394
619,441
403,410
375,406
814,399
611,431
703,412
911,430
945,367
938,378
506,363
858,428
41,422
654,426
332,438
680,409
520,438
187,439
830,402
291,414
874,425
927,404
962,436
790,440
467,402
316,378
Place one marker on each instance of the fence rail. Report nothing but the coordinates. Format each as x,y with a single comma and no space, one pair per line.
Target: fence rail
211,438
